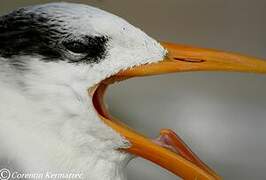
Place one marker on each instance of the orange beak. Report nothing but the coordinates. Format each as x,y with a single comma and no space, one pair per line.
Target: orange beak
169,151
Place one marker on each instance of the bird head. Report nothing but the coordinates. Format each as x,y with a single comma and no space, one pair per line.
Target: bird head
81,38
67,54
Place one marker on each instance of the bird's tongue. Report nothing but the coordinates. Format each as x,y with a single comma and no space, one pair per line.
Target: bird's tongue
171,141
167,141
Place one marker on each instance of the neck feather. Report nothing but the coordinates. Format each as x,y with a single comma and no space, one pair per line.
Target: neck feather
62,131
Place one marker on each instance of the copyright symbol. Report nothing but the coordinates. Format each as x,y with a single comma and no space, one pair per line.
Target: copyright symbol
4,174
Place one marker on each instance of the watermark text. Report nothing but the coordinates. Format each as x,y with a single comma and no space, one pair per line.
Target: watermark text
6,174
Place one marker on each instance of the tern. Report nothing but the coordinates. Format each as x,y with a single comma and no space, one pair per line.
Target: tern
57,60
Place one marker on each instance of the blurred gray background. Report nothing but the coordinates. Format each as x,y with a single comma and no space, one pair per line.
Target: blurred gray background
221,116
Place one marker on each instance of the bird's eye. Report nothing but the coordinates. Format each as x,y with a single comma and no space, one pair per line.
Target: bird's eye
76,47
89,49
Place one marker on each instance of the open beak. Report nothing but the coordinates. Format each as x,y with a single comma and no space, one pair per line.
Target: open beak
168,150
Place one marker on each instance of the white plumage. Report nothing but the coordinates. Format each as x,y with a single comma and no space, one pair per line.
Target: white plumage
47,119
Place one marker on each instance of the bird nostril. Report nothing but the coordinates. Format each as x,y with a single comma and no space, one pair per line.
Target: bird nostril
191,60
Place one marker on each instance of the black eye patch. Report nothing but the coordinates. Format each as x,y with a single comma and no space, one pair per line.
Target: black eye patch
97,47
26,32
